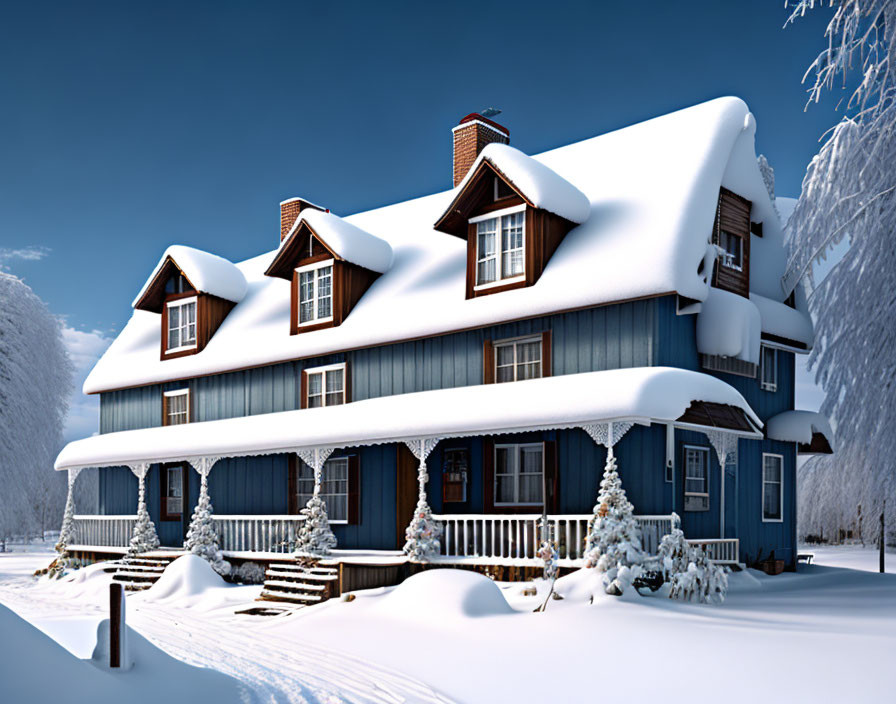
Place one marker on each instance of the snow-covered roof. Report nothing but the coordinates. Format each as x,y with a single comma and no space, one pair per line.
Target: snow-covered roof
540,185
643,394
653,189
345,240
799,427
206,272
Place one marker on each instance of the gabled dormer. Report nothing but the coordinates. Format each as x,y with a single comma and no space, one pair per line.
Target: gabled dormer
192,291
330,264
513,211
731,232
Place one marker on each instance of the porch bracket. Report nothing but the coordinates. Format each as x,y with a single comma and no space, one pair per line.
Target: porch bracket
725,445
315,537
423,533
144,536
608,434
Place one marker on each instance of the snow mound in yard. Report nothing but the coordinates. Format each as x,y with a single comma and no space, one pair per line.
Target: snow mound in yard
445,593
188,576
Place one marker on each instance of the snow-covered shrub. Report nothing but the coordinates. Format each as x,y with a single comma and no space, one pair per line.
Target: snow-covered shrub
315,536
615,538
249,573
547,553
202,538
422,535
689,571
145,537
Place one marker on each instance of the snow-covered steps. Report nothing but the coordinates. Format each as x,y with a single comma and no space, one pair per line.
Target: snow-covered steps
138,573
299,583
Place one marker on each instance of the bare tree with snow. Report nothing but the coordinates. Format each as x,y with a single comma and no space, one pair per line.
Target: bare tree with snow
850,192
35,383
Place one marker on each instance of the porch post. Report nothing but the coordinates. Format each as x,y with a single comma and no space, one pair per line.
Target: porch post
315,538
67,531
422,534
202,537
725,445
144,537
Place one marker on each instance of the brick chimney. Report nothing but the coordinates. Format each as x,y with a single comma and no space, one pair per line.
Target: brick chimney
470,137
289,213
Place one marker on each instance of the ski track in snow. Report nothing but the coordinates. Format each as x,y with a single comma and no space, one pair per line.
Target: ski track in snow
271,668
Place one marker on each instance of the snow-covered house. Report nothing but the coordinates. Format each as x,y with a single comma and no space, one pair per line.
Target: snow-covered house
475,353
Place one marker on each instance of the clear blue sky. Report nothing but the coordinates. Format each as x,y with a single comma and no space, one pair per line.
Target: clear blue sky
127,126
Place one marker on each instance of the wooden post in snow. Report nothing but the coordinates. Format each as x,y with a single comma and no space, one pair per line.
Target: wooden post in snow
116,623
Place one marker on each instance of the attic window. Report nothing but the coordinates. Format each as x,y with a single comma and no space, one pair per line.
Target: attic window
181,324
733,257
315,292
500,247
502,190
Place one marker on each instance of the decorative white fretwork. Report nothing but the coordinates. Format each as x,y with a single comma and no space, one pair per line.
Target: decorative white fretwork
144,537
725,445
608,434
315,537
422,534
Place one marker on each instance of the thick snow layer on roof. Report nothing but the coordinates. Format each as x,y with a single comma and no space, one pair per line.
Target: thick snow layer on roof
729,325
799,426
346,240
653,189
208,273
644,393
543,187
782,320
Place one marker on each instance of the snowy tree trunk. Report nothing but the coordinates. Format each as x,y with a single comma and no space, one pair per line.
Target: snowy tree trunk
202,537
144,537
423,533
315,538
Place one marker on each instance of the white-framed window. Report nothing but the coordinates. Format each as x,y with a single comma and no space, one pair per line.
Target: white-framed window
519,474
181,324
518,359
772,488
177,407
325,386
733,257
696,478
315,292
174,490
768,368
333,487
500,247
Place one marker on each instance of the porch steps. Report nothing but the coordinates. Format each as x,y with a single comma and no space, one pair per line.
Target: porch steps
298,583
139,573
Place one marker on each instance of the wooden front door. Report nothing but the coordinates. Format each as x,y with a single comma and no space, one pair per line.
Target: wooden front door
406,492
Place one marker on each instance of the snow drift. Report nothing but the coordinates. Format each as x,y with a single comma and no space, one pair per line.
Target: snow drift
188,576
444,594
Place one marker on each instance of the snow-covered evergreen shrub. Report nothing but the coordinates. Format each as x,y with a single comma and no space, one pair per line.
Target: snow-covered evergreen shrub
202,538
689,571
422,535
547,553
315,536
249,573
615,538
145,537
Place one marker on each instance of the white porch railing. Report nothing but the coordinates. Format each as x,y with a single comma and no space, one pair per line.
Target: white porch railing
254,533
722,551
517,536
104,531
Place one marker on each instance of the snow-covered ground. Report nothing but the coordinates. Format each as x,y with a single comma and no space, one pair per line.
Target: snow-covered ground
827,631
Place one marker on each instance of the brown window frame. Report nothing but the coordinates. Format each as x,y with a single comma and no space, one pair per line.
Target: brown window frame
176,392
354,487
346,383
164,514
489,358
551,477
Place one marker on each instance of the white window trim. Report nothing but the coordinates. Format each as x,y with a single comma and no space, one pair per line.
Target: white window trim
515,341
727,258
497,215
684,476
313,267
177,303
180,392
768,386
780,493
518,446
323,370
340,521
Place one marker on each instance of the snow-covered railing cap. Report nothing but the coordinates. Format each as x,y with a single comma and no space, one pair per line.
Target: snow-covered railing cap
204,272
540,186
810,430
346,241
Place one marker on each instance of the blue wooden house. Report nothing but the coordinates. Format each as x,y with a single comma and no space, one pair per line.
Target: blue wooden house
478,351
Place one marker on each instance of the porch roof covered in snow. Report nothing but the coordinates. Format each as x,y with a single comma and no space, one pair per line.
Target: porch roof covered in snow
641,395
811,431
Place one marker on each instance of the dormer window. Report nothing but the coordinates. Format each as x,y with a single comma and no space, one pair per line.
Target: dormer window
502,190
733,257
500,247
181,324
315,282
731,232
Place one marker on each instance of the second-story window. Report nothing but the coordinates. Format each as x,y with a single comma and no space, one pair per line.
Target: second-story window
768,368
733,257
315,292
325,386
516,360
176,407
181,324
500,248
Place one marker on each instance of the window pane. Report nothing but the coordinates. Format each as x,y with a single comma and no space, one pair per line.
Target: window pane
529,351
173,338
504,374
504,355
334,380
512,245
314,384
486,268
772,469
771,501
324,292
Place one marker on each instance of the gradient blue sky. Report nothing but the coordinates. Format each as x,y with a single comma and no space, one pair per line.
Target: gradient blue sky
129,126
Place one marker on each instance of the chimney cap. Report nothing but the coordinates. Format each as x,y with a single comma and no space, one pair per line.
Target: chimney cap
476,117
